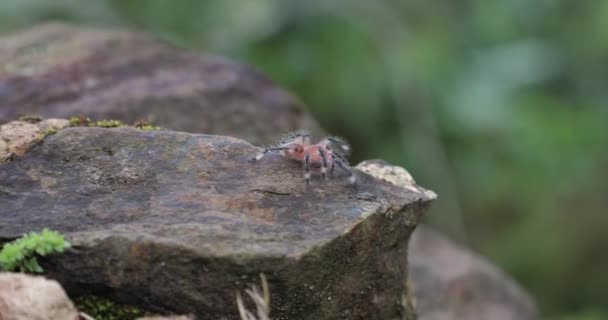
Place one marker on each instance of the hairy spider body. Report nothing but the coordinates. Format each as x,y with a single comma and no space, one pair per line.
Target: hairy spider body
326,154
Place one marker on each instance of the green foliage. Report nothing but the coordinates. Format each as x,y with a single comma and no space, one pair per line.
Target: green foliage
20,255
109,123
104,309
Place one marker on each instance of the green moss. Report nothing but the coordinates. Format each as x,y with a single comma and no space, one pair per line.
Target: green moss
49,131
46,133
109,123
79,121
145,126
104,309
149,128
20,255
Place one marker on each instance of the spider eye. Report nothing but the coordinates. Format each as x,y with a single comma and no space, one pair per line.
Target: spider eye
298,149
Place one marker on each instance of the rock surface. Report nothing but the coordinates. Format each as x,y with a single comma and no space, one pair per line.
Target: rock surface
17,137
451,283
174,222
25,297
56,70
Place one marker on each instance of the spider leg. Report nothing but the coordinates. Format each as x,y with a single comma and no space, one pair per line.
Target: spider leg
300,136
269,149
343,164
307,169
323,162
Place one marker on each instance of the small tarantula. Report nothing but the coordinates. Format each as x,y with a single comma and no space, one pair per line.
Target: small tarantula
327,153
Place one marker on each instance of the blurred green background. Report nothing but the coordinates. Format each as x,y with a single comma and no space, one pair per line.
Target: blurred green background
499,106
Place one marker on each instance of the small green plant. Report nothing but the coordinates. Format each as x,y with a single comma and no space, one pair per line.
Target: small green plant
21,254
109,123
79,121
103,309
145,125
148,128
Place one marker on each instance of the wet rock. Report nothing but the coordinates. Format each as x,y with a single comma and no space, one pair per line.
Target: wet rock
175,222
25,297
56,70
452,283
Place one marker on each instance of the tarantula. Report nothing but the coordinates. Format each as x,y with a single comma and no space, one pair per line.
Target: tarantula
327,153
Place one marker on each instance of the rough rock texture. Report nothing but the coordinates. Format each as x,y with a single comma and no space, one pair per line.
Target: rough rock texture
25,297
451,283
56,70
175,222
17,137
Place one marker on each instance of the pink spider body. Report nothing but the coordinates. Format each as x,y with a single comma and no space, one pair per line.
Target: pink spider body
313,151
327,153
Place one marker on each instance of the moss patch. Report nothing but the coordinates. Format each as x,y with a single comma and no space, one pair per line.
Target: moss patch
46,133
104,309
80,121
149,128
145,126
109,123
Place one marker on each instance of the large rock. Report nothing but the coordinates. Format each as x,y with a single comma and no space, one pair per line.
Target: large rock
24,297
174,222
452,283
56,70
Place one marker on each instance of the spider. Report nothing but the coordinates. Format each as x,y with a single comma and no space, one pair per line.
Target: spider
327,153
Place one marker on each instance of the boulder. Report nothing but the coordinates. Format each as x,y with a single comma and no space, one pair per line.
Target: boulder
175,222
25,297
452,283
58,70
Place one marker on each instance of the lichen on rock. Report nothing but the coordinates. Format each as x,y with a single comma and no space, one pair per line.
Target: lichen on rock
17,137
